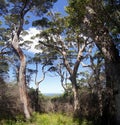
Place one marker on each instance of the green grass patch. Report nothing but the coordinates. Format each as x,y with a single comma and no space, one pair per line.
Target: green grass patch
46,119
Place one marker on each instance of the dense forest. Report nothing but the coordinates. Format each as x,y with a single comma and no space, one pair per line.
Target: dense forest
80,46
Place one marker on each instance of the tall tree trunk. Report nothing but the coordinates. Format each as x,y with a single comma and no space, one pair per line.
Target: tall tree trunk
21,76
37,98
76,101
112,69
106,45
75,95
22,85
113,83
36,90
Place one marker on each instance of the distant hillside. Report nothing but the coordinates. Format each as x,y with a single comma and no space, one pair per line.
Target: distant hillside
52,94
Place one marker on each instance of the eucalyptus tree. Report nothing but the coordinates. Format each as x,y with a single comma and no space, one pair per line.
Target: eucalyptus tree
67,46
4,66
95,78
15,18
38,78
98,20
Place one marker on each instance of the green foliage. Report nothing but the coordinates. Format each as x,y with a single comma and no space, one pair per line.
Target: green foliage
104,12
43,22
53,119
44,119
3,67
3,5
14,18
76,11
47,119
0,23
85,122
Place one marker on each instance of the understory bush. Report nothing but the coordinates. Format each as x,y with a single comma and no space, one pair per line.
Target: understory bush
46,119
54,119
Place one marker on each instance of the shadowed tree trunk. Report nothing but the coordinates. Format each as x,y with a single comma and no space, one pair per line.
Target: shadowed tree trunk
96,19
101,36
112,69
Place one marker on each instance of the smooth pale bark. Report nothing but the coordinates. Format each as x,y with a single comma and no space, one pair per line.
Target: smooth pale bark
73,81
75,94
73,73
21,77
37,86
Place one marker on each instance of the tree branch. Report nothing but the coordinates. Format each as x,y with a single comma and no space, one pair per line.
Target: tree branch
51,46
80,56
43,72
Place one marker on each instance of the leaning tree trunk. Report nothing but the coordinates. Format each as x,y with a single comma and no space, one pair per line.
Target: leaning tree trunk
21,76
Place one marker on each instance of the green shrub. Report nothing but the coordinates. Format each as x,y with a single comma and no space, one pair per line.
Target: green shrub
85,122
53,119
46,119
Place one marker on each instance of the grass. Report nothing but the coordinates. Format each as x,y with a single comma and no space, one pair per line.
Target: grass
45,119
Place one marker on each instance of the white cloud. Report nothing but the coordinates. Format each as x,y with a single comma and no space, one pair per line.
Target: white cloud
31,46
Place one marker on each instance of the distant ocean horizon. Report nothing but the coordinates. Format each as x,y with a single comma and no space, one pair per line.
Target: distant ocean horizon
52,94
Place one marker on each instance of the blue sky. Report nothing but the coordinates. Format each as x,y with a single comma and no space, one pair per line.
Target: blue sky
59,6
52,84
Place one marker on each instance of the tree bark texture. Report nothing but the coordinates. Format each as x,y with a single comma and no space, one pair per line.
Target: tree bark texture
37,98
21,77
75,95
112,69
101,36
73,74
